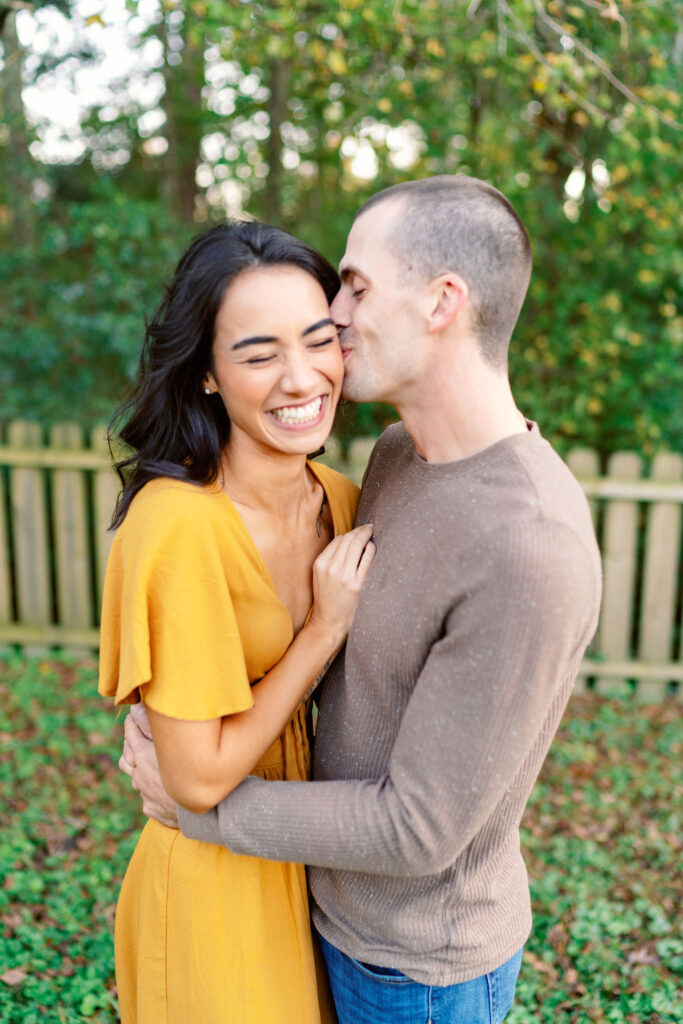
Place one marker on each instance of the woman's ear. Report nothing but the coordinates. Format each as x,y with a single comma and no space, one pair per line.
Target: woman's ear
209,384
449,295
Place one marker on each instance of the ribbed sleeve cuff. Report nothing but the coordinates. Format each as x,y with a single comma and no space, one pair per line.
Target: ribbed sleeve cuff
203,827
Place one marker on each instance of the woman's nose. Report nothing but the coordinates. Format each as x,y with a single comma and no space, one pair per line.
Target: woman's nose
299,376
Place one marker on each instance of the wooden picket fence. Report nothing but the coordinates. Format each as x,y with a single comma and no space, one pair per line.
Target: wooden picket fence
57,493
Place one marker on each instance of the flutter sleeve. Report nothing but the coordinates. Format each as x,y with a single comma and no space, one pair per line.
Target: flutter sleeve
169,633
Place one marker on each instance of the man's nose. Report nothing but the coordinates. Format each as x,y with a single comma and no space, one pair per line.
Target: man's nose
340,309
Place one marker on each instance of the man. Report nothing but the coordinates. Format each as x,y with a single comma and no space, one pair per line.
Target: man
466,642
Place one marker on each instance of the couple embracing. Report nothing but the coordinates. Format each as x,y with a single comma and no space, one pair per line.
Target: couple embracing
449,625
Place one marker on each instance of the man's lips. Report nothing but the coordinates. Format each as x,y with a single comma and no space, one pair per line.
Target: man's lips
346,349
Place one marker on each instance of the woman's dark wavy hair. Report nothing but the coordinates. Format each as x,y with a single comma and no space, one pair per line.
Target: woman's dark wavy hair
173,428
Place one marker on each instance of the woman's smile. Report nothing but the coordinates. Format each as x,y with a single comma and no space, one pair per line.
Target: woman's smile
300,415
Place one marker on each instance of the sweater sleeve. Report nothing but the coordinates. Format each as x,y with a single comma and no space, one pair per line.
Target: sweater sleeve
509,649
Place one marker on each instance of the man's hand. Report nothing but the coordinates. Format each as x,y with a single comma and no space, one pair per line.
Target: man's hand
139,762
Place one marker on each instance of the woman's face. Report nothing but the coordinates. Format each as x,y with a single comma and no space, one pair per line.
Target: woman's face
277,362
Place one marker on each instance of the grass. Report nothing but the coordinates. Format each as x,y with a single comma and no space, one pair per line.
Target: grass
601,836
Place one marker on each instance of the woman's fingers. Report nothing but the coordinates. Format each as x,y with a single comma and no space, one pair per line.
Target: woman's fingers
353,554
346,550
366,561
338,575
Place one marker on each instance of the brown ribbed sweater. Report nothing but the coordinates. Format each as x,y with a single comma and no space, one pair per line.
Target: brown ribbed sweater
434,723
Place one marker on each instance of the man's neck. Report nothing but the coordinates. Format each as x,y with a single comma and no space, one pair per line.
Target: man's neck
461,410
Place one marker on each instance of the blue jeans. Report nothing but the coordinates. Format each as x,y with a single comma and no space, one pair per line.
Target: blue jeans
364,994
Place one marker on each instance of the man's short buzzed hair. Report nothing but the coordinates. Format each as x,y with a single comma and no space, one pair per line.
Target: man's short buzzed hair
461,224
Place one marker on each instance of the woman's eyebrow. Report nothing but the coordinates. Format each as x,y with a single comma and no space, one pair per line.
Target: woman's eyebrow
327,322
257,340
262,339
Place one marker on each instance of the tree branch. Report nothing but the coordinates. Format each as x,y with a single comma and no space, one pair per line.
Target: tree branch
524,37
12,5
605,68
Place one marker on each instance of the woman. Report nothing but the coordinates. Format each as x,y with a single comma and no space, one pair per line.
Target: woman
231,584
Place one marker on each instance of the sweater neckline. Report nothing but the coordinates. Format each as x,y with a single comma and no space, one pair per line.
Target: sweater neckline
473,463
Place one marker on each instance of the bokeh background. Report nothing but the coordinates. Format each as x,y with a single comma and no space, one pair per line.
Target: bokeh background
127,127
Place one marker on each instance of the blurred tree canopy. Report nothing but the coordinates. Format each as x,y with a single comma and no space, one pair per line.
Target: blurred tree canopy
295,112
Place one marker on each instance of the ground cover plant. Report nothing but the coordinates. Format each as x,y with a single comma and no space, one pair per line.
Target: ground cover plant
600,835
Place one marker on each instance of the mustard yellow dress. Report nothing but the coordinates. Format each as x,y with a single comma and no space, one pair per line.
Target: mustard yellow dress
190,619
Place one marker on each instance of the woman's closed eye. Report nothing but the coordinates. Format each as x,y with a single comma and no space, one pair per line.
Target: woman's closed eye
256,360
321,344
267,358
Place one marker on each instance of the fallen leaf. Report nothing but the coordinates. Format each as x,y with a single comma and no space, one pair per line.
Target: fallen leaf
540,965
14,976
67,970
642,956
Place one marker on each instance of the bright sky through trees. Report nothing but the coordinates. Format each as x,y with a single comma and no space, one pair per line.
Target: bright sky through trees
58,103
120,70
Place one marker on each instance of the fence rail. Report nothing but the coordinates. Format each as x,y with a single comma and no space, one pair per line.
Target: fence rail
57,492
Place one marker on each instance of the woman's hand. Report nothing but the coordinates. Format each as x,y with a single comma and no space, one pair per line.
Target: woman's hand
338,576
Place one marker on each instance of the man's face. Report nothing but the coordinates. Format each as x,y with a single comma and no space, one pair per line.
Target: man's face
376,313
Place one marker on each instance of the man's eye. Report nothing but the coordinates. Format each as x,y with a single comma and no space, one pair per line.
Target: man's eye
357,293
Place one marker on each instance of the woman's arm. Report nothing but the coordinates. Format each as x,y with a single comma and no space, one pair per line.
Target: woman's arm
201,762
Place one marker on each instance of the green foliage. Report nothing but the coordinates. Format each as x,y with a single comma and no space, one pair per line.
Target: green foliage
72,324
571,109
68,829
601,838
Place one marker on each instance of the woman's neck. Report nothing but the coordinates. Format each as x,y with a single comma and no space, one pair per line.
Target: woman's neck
265,480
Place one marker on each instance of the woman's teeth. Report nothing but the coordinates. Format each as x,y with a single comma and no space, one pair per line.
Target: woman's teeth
298,413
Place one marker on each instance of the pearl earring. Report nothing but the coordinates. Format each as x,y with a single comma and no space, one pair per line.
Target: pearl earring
207,391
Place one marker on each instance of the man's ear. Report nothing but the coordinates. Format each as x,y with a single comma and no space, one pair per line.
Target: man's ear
448,297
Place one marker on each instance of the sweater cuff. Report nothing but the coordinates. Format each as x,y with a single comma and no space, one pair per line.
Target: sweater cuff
203,827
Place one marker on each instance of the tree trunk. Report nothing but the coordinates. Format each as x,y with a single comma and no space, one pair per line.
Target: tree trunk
182,105
277,112
17,165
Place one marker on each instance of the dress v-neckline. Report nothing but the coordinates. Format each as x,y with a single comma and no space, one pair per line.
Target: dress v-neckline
256,554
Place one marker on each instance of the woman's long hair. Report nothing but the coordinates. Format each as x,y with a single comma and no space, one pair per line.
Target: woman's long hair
173,428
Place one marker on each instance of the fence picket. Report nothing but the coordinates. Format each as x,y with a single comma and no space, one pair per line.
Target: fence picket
105,491
617,501
619,560
72,547
660,577
30,529
680,646
585,465
5,559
